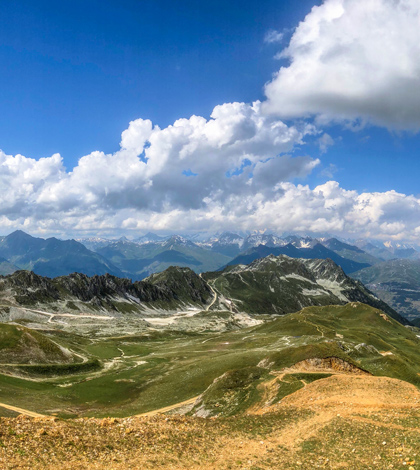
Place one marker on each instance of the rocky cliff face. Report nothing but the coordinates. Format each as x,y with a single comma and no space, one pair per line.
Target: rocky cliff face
172,288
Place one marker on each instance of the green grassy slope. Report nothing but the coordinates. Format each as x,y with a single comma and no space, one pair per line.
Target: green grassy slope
150,371
20,345
280,284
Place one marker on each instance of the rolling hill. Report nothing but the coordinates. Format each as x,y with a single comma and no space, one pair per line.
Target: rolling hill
20,345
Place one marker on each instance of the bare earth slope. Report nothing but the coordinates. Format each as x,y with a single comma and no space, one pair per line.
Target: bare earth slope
344,421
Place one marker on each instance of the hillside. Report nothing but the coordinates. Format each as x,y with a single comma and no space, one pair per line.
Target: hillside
328,340
397,282
329,386
368,425
279,285
152,370
20,345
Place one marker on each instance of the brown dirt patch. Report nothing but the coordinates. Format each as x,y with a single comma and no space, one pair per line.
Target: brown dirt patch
343,391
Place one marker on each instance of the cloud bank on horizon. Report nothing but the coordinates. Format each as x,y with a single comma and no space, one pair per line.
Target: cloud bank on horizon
351,61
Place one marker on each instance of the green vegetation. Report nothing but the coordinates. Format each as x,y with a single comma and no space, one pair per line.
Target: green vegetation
21,345
279,285
149,371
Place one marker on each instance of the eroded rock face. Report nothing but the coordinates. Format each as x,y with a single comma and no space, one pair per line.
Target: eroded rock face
175,285
334,364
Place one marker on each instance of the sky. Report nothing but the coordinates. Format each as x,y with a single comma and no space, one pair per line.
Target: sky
119,118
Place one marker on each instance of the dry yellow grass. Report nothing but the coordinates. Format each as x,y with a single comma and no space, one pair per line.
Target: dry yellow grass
354,422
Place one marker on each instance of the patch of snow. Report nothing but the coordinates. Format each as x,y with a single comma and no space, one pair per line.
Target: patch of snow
314,292
333,287
300,278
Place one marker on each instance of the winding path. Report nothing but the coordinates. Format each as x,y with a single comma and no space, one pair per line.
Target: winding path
214,295
22,411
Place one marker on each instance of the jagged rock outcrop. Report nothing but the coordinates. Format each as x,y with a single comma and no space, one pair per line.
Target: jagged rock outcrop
173,286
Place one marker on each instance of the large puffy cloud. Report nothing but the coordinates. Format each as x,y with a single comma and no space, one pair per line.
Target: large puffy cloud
233,171
185,166
353,60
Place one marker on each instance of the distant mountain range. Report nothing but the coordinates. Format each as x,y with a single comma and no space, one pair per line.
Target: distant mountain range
53,257
316,252
151,253
138,260
273,285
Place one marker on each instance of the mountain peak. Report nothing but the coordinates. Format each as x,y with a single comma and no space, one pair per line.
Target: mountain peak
19,234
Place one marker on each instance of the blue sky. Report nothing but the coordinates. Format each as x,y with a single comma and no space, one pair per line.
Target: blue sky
332,146
75,73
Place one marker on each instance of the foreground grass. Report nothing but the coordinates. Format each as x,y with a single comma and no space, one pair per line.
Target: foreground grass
246,442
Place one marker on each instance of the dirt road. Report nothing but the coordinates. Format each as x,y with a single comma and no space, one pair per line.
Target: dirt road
214,296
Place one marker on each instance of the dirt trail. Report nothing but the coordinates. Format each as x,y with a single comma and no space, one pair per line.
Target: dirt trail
190,401
214,296
346,396
346,392
22,411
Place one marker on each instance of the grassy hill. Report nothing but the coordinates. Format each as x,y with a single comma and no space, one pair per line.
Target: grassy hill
20,345
382,347
155,369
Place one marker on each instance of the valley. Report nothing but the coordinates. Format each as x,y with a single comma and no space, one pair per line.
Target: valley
292,353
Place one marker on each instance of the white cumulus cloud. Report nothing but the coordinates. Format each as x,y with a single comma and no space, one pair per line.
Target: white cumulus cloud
186,166
355,61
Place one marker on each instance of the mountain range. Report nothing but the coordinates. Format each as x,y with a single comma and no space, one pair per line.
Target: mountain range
281,285
139,258
53,257
275,285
